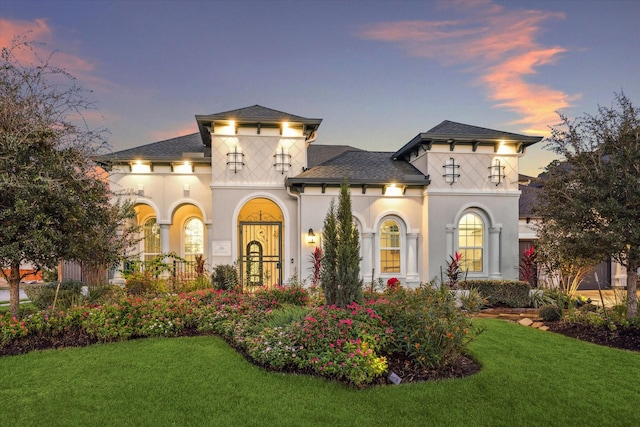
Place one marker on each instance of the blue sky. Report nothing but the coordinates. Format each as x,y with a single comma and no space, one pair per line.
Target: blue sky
376,72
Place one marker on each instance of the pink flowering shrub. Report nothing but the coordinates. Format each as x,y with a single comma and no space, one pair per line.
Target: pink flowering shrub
344,343
427,325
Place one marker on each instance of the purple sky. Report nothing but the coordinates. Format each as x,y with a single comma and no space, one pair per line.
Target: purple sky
377,72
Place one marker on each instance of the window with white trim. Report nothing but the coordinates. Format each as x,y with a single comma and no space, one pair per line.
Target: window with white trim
193,238
471,242
390,256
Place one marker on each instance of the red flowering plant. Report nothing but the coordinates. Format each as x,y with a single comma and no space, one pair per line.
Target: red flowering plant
454,270
528,268
393,284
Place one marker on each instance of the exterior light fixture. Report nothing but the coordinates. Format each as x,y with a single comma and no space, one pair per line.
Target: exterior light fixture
140,167
282,160
183,167
393,190
450,171
496,172
311,237
235,159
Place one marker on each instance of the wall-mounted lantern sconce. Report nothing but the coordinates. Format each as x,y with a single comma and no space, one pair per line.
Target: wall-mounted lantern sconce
235,159
393,190
282,160
450,171
496,172
311,237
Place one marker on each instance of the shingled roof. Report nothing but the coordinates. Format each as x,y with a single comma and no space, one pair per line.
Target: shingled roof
361,167
317,154
449,132
255,114
181,147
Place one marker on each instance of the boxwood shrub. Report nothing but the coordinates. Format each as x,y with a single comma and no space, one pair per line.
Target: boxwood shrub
509,293
42,295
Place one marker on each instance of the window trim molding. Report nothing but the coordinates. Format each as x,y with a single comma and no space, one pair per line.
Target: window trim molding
402,226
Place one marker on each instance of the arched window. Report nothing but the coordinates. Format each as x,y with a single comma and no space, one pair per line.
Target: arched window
390,247
471,242
193,239
152,244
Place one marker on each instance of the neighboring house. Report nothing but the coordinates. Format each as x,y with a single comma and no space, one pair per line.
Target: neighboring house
252,187
608,273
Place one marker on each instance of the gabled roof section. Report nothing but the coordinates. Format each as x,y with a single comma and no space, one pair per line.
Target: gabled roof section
361,167
256,114
174,149
453,133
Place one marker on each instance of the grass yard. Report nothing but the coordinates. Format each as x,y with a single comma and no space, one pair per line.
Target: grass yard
529,378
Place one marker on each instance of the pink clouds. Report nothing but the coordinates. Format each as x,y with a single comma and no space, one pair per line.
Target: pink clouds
500,46
44,39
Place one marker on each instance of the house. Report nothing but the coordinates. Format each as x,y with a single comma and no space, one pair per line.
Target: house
606,274
252,186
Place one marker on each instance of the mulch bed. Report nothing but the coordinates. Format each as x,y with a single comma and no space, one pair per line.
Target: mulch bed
623,338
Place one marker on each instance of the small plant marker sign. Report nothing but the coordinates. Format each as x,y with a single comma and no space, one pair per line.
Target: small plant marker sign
395,379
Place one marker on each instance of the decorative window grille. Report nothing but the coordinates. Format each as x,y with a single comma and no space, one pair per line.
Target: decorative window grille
450,171
496,172
282,160
235,159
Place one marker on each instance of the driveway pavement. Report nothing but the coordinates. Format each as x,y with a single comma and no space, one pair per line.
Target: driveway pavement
4,295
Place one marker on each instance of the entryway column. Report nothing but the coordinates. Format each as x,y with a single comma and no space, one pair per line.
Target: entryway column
412,258
450,231
164,238
494,252
367,256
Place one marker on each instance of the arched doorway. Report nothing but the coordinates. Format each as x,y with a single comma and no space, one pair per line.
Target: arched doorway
261,243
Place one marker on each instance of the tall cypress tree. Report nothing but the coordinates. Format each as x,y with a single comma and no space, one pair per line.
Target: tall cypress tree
328,278
341,263
348,271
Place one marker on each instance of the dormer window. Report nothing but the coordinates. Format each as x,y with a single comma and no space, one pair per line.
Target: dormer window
282,159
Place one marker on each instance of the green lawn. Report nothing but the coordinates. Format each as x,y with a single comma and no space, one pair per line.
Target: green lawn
529,377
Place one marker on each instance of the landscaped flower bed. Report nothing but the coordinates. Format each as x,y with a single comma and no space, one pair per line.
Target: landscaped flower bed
349,344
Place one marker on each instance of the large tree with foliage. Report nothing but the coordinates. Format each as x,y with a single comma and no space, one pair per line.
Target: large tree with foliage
590,201
54,200
340,275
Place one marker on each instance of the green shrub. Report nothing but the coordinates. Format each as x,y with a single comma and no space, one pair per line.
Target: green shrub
295,295
550,313
105,294
472,301
510,293
427,325
144,283
284,315
225,277
42,295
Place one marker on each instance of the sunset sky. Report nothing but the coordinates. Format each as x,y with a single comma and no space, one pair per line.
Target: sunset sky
376,72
